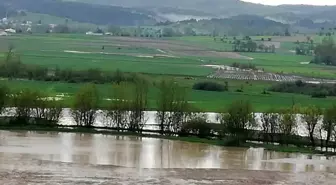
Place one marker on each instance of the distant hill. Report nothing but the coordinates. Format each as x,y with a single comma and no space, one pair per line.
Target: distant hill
222,8
236,25
226,15
218,8
83,12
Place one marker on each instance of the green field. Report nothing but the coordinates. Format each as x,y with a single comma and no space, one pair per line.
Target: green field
51,50
81,52
203,100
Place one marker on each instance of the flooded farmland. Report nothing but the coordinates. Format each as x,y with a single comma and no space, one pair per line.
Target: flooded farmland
73,158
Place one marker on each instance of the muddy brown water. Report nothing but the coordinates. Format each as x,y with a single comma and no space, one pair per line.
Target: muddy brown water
73,158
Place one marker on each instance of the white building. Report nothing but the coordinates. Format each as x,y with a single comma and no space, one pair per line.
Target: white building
10,30
3,33
91,33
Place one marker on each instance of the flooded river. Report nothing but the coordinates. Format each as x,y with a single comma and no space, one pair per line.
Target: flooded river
72,158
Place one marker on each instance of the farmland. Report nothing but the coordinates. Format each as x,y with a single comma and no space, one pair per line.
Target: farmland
183,59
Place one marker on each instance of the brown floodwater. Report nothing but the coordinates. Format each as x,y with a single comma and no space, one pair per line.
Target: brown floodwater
73,158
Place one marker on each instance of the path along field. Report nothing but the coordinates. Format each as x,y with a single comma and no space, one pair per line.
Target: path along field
173,58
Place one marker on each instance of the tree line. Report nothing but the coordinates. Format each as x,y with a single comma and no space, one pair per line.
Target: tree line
248,45
300,87
125,108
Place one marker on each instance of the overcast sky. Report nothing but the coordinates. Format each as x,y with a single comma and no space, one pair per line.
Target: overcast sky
277,2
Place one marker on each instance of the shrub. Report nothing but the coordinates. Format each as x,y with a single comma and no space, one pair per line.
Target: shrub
244,66
210,86
197,126
319,94
299,87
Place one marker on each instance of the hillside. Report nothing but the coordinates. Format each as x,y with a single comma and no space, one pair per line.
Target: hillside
219,8
82,12
237,25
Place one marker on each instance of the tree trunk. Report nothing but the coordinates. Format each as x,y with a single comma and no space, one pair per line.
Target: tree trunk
311,136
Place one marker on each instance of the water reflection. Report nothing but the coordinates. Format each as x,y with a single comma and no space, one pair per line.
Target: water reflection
140,152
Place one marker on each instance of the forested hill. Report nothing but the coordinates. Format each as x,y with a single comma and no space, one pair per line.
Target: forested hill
238,25
223,7
219,7
83,12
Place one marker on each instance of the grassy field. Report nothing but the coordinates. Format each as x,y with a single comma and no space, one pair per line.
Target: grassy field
80,51
156,59
203,100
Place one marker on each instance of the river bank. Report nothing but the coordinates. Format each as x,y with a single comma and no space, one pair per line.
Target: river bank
154,134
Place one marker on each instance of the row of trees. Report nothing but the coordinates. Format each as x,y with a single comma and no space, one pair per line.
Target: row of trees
251,46
305,48
300,87
125,111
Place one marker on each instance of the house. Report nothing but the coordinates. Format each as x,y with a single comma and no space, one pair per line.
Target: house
3,33
91,33
10,30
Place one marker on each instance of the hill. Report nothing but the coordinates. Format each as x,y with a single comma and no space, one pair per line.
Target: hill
217,8
236,25
83,12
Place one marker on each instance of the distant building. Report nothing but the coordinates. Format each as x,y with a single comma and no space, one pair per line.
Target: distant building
52,26
10,30
3,33
91,33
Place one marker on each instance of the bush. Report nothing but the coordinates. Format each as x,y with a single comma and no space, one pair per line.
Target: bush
244,66
197,126
210,86
299,87
319,94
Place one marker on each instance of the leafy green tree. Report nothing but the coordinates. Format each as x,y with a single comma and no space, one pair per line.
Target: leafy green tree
115,30
167,32
329,123
62,28
196,125
237,120
23,101
189,31
3,97
85,105
45,110
325,53
311,115
118,109
138,105
288,123
172,106
270,124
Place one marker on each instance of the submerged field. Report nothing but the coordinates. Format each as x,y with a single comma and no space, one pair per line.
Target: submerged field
182,59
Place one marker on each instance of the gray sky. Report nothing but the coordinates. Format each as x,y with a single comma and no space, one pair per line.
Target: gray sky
277,2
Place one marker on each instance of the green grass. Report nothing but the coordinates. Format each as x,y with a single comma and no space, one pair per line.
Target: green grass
106,62
204,100
48,50
206,42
